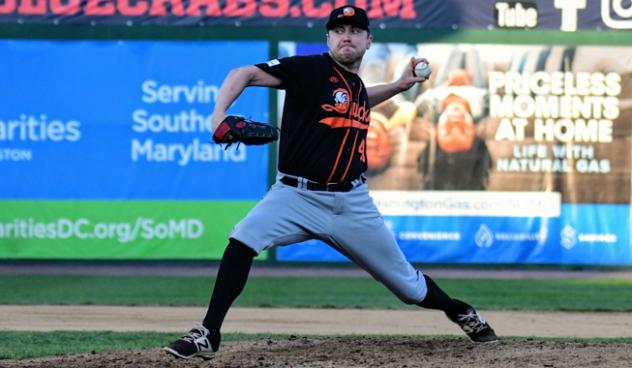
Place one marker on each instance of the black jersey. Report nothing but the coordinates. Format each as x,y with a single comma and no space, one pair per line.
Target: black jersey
325,119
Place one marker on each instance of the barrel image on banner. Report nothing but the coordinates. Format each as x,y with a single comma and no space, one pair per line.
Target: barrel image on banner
508,154
106,149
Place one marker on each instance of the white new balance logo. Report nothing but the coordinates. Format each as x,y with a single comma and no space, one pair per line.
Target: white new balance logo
202,343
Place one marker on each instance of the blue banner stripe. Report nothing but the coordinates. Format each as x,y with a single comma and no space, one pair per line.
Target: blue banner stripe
124,120
584,234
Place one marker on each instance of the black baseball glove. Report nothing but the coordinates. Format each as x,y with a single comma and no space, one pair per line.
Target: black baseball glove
241,130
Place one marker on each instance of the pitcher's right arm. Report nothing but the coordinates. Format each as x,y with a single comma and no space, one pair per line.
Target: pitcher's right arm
234,84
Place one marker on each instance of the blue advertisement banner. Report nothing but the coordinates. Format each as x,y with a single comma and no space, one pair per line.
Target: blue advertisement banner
124,120
577,237
544,177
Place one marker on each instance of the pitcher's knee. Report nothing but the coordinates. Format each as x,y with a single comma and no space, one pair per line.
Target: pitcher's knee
412,295
409,300
410,288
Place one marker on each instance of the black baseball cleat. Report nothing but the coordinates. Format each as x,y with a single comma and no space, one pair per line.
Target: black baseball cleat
198,342
475,326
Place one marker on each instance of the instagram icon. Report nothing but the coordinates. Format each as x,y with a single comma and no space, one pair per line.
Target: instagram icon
623,15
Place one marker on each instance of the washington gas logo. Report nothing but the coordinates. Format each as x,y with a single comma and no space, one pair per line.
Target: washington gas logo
484,237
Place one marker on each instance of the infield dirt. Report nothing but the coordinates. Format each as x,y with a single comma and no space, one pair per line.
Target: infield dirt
330,349
303,349
297,351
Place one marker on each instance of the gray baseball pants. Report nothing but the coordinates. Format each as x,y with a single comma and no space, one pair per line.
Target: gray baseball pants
347,221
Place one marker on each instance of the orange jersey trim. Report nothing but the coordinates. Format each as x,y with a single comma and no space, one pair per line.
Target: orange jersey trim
355,140
331,174
345,82
344,122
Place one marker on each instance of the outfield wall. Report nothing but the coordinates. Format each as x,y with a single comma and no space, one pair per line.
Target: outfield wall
105,152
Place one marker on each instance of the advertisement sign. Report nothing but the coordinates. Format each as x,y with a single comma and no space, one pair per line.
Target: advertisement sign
566,15
124,119
126,123
582,235
508,154
117,230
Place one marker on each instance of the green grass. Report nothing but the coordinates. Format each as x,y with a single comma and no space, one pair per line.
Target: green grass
334,292
337,292
24,344
19,345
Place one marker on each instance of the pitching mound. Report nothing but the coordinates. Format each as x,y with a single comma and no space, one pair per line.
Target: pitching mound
364,352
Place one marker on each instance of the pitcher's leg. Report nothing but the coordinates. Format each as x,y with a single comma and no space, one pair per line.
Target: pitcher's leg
374,249
436,298
377,252
204,339
231,279
284,216
365,239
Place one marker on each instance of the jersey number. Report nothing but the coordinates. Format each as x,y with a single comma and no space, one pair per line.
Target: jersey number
361,151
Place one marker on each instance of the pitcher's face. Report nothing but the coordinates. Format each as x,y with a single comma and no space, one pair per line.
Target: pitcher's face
348,43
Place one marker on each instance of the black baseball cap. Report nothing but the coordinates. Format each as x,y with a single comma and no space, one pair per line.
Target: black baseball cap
348,14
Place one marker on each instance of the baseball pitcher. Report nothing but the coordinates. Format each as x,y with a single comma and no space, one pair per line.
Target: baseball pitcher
320,191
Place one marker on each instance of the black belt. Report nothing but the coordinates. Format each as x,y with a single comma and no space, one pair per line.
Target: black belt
333,187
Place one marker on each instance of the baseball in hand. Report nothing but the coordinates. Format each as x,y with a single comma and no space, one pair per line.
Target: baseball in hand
423,69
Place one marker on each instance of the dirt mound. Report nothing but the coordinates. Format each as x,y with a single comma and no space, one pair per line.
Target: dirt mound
362,351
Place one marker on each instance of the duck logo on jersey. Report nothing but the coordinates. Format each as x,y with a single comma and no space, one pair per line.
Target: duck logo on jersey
341,102
355,116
